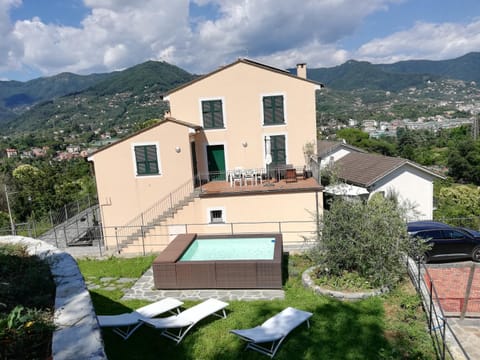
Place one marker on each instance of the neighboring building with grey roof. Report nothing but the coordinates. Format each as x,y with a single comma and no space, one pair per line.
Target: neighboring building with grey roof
413,183
330,151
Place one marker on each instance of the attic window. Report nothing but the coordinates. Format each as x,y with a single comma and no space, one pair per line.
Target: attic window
146,160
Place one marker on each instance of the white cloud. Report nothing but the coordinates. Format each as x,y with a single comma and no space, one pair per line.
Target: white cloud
121,33
277,29
116,34
424,41
11,48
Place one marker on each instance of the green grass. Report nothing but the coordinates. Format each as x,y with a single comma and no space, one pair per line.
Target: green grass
387,327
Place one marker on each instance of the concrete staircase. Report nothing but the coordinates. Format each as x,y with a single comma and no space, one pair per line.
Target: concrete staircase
144,231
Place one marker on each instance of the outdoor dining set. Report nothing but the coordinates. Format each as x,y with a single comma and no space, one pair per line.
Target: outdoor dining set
240,176
243,177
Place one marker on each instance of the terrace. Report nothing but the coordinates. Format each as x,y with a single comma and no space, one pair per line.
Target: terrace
288,179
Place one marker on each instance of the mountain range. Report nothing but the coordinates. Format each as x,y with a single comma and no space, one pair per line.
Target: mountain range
134,94
397,76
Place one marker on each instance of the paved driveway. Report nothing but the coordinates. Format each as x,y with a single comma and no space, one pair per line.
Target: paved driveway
450,281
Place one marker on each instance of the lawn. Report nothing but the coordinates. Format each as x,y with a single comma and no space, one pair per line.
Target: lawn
388,327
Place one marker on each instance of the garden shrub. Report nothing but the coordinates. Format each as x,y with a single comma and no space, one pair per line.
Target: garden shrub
27,295
369,238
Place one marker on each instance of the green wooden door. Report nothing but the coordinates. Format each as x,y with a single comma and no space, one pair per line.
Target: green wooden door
216,162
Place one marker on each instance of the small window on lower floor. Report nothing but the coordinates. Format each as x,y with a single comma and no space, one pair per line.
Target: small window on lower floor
216,216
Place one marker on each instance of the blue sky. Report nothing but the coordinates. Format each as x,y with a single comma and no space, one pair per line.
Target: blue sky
46,37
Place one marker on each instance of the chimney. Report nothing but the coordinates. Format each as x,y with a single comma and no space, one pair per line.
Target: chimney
302,70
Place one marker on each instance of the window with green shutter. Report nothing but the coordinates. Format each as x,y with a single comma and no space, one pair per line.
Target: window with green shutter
212,114
146,160
273,112
278,150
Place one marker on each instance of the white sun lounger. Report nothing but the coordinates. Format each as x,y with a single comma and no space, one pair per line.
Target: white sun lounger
125,324
185,320
273,331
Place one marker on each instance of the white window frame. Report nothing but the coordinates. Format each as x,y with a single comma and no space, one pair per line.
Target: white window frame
217,208
284,109
224,113
134,160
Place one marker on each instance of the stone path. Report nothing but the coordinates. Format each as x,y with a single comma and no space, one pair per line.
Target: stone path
142,289
467,332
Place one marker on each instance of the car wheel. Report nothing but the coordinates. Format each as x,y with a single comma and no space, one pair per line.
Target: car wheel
476,254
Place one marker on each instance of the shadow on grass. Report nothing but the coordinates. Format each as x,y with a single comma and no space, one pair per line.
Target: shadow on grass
285,273
338,331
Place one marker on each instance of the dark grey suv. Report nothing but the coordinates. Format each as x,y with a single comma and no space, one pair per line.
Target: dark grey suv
447,242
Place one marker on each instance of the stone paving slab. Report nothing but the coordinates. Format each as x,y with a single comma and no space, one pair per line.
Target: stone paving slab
467,332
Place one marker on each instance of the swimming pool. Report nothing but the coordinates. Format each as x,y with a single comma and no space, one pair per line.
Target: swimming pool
220,262
255,248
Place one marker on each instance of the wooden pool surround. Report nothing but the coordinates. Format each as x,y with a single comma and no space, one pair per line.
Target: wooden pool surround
169,273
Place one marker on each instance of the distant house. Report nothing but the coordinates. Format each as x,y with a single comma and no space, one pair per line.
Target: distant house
11,153
367,174
73,149
39,152
227,159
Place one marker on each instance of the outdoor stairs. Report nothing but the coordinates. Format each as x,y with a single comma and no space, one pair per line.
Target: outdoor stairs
169,213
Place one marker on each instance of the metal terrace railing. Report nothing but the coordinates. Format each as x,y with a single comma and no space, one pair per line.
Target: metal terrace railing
298,235
165,207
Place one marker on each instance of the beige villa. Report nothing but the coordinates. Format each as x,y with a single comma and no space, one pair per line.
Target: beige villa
229,158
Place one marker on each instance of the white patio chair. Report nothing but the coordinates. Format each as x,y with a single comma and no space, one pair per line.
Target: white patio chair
184,321
125,324
273,331
259,175
249,175
237,176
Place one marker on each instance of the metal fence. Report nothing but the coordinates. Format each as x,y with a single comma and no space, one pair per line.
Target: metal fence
75,224
154,238
437,321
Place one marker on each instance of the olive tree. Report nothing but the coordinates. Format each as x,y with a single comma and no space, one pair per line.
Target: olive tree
369,238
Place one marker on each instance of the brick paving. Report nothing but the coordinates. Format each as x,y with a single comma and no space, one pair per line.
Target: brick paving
450,281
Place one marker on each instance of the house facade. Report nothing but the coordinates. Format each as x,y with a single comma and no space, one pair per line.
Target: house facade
372,173
178,175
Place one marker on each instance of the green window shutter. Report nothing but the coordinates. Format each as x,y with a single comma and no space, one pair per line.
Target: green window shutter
273,112
146,160
278,149
212,114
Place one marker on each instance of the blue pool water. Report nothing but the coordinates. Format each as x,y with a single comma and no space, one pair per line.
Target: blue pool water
230,249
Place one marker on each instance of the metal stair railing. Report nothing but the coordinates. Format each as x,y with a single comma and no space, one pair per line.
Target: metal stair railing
162,209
